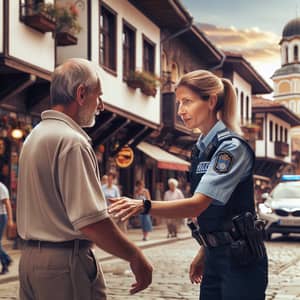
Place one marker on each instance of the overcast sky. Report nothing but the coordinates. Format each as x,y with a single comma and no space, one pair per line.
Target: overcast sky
252,28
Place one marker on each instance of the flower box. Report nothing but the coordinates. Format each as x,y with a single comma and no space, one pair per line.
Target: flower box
148,91
40,22
65,39
62,19
134,79
133,83
146,81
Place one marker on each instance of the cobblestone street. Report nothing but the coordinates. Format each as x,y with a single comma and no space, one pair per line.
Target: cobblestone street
171,263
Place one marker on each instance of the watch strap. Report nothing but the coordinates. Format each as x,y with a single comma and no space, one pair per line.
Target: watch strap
147,206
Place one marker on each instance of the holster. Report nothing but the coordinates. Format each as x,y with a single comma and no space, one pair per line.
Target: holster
240,253
249,246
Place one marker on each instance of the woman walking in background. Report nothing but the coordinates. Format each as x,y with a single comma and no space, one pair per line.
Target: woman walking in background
5,217
173,193
142,193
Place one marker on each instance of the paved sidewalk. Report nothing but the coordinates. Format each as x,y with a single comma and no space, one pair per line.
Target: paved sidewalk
157,237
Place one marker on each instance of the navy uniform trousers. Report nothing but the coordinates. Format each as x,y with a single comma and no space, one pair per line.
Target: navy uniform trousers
223,279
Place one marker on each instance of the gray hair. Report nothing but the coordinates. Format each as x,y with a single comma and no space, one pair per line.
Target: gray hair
67,77
174,181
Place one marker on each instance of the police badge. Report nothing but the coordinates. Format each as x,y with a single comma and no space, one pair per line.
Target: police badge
223,162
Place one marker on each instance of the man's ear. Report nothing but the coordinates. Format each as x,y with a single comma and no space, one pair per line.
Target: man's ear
80,94
212,101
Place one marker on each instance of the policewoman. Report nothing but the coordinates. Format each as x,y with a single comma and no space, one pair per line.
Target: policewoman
231,263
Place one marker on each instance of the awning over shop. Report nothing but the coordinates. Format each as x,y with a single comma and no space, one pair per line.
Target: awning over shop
164,159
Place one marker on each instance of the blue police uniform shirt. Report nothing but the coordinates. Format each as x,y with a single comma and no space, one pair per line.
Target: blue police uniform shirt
230,164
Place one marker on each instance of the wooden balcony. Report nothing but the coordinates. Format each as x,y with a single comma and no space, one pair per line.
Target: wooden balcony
281,148
40,22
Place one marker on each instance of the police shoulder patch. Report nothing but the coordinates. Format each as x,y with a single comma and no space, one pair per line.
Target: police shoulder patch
202,167
223,162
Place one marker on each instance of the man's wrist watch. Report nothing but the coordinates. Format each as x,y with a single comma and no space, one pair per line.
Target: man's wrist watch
147,206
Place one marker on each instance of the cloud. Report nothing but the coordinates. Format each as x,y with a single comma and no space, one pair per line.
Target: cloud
254,44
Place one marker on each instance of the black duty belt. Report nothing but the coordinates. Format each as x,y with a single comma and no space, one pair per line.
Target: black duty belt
215,239
65,244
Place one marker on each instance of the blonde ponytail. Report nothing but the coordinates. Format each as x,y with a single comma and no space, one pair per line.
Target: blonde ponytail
228,111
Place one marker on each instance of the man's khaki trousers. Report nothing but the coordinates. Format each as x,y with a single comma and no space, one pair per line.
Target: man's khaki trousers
60,274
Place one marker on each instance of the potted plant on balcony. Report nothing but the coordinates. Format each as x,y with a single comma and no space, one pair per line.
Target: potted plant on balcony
134,79
149,83
67,25
36,15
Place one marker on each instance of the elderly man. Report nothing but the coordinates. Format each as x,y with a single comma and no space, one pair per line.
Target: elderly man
61,207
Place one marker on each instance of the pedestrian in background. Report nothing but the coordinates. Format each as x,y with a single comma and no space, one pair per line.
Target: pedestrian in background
61,208
104,180
145,220
231,263
110,190
6,218
173,193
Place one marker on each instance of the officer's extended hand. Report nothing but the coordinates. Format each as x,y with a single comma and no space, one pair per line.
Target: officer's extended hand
142,271
197,268
124,207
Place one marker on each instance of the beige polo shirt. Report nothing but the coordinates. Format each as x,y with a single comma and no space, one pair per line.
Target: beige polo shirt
59,188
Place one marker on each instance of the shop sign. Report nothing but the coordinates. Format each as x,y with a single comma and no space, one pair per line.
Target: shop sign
125,157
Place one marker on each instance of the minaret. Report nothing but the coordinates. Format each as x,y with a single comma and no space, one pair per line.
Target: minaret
287,78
